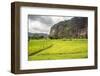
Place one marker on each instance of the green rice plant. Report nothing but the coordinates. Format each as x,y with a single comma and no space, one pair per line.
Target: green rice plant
61,49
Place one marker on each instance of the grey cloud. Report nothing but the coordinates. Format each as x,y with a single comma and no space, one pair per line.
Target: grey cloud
43,19
41,30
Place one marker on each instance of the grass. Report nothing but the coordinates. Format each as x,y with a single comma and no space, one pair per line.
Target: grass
57,49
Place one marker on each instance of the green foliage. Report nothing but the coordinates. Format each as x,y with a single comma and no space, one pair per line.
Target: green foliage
61,49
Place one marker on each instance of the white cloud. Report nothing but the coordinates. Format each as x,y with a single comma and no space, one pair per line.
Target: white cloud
37,27
42,24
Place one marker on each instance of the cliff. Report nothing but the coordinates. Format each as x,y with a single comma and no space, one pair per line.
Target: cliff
73,28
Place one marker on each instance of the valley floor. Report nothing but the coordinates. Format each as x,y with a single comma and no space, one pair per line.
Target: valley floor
54,49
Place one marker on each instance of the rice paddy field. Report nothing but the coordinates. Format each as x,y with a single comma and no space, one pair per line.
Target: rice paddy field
54,49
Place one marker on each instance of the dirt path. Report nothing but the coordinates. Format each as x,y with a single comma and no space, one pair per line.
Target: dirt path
40,50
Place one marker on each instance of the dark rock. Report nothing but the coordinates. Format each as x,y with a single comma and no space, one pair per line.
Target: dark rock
73,28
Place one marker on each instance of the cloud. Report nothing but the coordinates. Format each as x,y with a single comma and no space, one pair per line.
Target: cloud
42,24
38,27
43,19
40,30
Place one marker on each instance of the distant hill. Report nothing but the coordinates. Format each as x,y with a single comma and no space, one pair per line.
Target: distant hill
30,34
73,28
37,35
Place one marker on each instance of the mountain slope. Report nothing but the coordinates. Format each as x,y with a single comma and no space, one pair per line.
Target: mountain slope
73,28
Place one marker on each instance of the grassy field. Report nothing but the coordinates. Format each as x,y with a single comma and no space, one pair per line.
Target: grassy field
53,49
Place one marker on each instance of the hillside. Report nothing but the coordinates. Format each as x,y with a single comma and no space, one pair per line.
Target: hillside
37,35
73,28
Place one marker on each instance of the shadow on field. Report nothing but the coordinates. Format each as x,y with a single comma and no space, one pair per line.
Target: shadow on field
40,50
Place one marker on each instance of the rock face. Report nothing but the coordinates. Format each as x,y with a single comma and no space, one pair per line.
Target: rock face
73,28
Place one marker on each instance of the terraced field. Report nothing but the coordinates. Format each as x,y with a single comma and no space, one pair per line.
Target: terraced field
53,49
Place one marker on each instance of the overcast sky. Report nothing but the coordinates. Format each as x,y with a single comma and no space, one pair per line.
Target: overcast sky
42,24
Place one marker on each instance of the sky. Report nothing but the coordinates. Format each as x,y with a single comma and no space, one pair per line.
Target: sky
42,24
